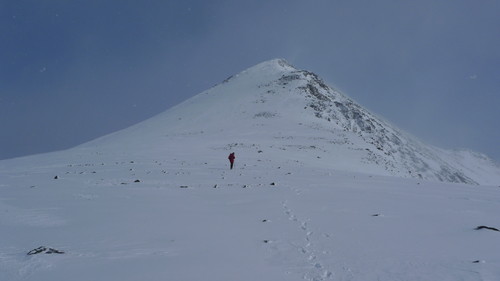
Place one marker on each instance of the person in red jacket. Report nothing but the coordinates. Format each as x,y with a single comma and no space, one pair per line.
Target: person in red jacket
231,159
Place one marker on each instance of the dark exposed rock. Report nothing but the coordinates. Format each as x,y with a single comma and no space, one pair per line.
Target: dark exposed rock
44,250
265,114
486,227
228,79
53,251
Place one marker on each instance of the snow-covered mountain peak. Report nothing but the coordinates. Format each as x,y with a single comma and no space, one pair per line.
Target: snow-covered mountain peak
277,64
276,112
304,201
266,71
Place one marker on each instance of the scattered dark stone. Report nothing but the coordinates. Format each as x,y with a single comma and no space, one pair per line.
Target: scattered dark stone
273,183
215,186
486,227
137,181
260,151
476,261
53,251
245,186
375,215
131,162
264,220
56,177
45,250
183,186
123,183
265,241
37,251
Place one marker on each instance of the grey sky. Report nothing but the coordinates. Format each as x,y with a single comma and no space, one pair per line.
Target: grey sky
71,71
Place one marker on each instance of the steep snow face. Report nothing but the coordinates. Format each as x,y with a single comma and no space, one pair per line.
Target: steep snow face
275,106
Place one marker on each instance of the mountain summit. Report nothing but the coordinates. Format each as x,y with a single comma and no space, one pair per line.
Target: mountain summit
304,200
275,112
294,115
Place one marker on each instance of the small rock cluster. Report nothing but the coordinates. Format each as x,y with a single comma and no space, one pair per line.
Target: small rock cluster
44,250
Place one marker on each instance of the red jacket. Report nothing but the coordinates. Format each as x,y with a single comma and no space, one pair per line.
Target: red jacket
231,157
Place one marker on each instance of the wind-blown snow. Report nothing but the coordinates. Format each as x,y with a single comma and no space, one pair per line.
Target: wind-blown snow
309,198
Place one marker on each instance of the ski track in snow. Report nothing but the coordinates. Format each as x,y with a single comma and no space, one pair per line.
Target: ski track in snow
317,269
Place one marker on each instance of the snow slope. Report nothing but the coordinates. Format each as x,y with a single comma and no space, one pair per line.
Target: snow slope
190,218
277,107
309,198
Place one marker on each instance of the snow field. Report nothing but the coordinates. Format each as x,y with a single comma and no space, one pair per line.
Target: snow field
200,221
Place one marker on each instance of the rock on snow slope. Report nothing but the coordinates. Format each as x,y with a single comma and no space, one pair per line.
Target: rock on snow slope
274,106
